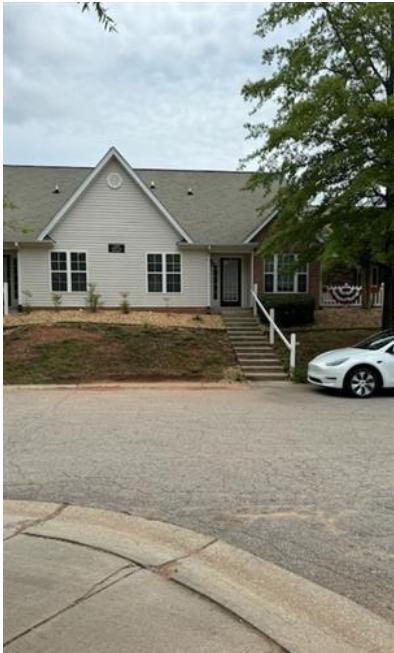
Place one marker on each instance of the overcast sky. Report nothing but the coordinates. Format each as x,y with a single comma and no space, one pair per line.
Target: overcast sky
165,90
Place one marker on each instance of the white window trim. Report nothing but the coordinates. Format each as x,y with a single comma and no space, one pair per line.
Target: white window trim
68,252
164,273
295,290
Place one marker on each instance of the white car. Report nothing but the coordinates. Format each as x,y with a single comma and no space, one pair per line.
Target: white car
362,370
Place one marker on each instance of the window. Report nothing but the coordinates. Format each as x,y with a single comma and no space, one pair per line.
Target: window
173,273
68,271
78,271
377,341
59,271
269,275
280,275
164,272
155,273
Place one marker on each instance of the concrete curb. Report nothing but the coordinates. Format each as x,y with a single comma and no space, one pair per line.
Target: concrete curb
297,614
137,385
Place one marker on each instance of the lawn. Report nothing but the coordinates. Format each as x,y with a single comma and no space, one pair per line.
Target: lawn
313,342
77,353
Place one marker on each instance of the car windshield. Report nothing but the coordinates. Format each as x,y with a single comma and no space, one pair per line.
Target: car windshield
377,341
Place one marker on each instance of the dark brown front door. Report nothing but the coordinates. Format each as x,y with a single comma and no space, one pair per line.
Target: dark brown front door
230,285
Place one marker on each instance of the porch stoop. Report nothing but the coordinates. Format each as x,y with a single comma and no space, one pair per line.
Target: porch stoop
255,355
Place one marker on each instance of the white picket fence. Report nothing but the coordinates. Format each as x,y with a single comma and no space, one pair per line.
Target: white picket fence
347,295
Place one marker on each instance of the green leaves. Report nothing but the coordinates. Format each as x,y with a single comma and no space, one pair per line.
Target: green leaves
102,15
331,145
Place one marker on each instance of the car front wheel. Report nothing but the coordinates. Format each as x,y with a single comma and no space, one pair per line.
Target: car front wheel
362,382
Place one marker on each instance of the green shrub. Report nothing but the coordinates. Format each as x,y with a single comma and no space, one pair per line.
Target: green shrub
27,296
290,309
57,300
93,298
124,304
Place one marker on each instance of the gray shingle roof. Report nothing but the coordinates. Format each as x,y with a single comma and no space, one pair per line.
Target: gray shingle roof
218,212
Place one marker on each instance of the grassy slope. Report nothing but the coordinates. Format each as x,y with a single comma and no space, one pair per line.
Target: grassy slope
316,342
83,353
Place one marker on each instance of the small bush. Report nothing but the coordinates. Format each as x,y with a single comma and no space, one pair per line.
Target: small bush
124,304
27,296
93,298
57,300
290,309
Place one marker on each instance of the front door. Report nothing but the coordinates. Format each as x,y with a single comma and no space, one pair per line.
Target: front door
230,269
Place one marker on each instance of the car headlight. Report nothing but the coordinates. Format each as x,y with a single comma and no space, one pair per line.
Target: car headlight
339,361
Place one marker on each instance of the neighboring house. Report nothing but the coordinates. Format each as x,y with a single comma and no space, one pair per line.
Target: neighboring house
172,239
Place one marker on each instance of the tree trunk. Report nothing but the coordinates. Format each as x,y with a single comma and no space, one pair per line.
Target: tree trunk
388,302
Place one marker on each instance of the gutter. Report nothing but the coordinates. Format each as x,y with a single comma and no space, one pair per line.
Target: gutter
247,247
41,244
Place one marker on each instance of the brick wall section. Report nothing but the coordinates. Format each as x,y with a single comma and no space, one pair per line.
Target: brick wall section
314,281
314,269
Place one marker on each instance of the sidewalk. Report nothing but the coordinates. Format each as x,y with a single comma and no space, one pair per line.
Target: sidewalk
85,580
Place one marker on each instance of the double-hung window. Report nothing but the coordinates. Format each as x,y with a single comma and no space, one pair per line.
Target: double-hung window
281,275
59,271
78,271
68,271
164,273
155,273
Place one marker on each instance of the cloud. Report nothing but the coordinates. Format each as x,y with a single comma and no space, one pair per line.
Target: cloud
165,89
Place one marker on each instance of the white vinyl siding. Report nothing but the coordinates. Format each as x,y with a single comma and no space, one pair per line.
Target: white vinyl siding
103,216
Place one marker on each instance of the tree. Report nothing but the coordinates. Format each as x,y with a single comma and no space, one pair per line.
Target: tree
331,144
101,13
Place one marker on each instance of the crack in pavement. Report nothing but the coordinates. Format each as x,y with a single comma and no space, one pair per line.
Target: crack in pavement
84,597
28,523
166,568
100,549
154,568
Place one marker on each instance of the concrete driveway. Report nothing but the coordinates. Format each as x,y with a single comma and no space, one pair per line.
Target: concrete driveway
297,476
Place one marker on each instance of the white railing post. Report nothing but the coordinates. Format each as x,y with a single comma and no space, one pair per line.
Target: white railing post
293,345
380,299
255,289
5,297
272,330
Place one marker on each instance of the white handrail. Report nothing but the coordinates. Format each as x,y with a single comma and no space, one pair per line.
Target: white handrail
270,316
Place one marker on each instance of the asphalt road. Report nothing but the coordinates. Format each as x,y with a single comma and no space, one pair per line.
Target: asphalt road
297,476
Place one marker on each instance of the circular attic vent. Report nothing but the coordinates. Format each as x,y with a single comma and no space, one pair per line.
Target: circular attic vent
114,180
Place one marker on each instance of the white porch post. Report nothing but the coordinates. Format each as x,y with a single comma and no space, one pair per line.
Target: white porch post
5,297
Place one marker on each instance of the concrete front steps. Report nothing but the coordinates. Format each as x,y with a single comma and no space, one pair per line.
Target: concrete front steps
255,355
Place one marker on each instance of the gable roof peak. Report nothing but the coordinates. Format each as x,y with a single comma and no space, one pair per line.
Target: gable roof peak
113,152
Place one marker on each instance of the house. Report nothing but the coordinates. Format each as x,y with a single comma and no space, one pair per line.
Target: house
172,239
